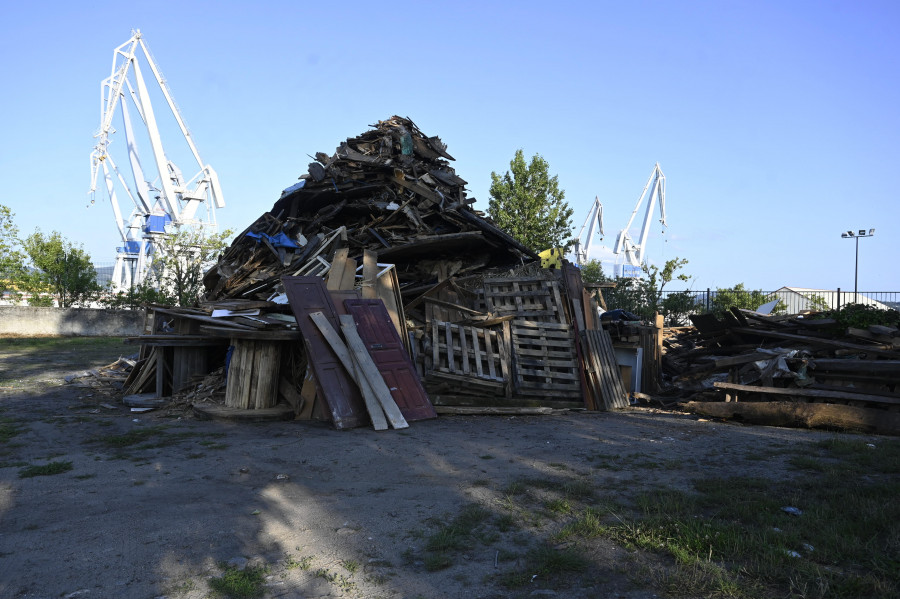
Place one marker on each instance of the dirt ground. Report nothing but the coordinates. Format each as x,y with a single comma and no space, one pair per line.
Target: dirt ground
157,505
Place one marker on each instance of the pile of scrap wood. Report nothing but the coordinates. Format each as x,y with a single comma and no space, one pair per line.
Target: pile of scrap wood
370,277
787,370
391,191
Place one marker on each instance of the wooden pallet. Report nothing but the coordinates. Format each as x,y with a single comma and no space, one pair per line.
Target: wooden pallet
528,298
545,363
468,356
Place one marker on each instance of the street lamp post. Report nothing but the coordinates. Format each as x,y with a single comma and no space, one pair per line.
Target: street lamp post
856,236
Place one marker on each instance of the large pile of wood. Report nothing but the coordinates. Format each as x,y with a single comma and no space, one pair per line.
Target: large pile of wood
372,292
787,370
390,190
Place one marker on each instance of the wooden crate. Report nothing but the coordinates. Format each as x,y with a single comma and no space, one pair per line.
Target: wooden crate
544,360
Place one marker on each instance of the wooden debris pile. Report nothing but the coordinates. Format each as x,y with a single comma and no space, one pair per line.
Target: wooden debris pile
390,190
796,370
368,278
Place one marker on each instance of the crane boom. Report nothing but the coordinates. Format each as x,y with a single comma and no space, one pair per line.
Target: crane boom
633,253
594,218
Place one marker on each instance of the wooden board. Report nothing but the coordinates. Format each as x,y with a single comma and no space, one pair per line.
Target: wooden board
333,385
545,363
387,351
376,412
363,364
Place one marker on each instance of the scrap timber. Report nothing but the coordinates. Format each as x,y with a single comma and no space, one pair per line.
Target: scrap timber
842,377
372,292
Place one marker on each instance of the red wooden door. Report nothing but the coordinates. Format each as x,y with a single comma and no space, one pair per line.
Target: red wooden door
333,384
383,342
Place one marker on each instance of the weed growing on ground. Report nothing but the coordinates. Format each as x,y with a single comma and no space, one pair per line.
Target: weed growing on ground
237,583
45,469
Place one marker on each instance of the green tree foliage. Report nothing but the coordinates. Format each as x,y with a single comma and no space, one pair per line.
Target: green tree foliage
178,272
861,316
592,273
527,203
62,268
739,297
643,296
12,260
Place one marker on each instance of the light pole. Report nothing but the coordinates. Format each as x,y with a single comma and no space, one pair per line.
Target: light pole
856,236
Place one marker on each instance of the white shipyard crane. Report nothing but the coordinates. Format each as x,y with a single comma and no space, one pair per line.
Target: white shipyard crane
633,253
163,203
595,218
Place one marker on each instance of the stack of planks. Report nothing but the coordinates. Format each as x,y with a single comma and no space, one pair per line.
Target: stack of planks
851,374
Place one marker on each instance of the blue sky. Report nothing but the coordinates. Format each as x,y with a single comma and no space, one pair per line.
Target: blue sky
776,123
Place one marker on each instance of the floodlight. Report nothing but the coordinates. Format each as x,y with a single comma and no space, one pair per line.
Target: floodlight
849,233
871,231
862,232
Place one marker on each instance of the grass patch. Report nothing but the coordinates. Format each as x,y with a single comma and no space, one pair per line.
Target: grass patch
304,563
546,565
730,537
45,469
9,428
240,584
132,437
457,535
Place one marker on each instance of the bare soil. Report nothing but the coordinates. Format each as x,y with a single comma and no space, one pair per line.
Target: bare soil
327,513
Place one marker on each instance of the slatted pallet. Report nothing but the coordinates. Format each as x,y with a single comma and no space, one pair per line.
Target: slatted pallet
468,356
545,363
529,298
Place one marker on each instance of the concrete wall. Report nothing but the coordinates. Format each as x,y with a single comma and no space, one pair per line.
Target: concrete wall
27,321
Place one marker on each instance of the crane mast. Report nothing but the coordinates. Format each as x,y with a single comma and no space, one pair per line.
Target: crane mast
160,206
594,218
632,253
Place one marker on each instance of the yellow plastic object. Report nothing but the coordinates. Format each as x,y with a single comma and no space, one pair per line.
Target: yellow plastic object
551,258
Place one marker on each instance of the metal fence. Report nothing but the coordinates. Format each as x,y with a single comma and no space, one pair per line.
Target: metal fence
677,305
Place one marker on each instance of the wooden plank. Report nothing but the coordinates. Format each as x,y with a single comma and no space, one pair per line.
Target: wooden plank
334,386
476,350
814,393
308,395
363,363
288,390
492,411
334,279
816,341
489,353
370,274
240,367
348,280
264,379
386,350
463,350
387,288
812,415
376,413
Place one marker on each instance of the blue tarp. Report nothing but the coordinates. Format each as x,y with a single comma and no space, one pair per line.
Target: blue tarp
280,241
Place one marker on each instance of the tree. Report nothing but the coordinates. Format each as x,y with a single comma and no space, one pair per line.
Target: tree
12,260
62,268
643,296
592,272
739,297
529,205
178,270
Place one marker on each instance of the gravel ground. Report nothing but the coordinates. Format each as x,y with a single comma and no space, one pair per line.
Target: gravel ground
326,513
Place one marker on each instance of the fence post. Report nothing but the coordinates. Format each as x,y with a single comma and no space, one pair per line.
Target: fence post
707,299
839,299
